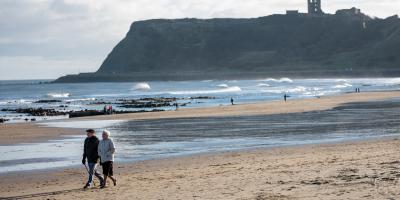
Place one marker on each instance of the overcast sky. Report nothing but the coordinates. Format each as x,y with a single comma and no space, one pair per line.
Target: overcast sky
44,39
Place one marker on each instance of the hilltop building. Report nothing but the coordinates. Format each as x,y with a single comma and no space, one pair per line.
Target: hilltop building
314,7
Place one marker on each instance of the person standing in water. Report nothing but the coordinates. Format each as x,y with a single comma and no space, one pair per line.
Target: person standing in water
90,153
106,151
232,101
285,97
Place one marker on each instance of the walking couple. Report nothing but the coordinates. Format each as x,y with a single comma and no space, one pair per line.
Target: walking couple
95,149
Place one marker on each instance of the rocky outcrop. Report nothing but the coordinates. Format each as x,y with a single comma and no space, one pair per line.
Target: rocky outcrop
348,43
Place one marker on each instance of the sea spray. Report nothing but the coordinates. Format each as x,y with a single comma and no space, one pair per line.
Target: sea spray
344,85
142,86
58,95
282,80
223,86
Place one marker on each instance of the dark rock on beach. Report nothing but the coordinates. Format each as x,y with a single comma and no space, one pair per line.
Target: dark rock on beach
85,113
2,120
202,97
88,113
36,111
48,101
146,102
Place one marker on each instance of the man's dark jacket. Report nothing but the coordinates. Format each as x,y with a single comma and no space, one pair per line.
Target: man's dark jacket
90,149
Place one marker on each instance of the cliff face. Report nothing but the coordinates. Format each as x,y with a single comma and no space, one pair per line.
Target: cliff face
277,45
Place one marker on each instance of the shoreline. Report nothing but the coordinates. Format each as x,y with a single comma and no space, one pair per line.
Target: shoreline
281,173
205,154
353,169
34,132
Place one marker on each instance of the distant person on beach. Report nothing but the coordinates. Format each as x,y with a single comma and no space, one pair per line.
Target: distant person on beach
106,151
110,110
232,101
90,153
176,106
285,97
105,109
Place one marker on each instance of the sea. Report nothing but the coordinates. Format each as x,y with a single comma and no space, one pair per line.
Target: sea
162,138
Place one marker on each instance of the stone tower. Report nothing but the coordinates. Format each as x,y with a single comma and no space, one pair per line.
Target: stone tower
314,7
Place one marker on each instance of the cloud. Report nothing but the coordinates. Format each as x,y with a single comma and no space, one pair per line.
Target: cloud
86,31
36,67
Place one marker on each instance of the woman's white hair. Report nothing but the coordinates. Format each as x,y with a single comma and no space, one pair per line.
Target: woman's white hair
107,132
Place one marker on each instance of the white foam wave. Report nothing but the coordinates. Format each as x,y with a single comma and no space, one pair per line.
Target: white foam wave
224,90
282,80
142,86
20,101
295,90
344,85
392,81
86,99
341,81
263,85
298,89
58,95
223,85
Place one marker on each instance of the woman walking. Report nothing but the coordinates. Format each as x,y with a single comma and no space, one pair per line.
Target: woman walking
106,151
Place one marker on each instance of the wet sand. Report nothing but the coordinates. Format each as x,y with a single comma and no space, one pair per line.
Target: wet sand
353,170
261,108
32,132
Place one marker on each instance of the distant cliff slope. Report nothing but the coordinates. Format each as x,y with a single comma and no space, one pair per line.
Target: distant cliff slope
278,45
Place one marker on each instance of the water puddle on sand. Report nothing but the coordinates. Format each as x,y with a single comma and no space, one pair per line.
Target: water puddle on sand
162,138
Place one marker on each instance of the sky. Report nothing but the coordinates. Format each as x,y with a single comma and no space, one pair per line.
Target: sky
45,39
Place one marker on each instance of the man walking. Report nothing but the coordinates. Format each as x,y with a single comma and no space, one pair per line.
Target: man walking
90,153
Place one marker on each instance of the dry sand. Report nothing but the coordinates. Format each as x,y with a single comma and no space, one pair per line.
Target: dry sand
356,170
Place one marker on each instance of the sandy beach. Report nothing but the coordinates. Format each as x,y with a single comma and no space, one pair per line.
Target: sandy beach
350,170
356,170
31,132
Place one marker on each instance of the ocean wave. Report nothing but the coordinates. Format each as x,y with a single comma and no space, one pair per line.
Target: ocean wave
295,90
223,86
341,81
58,95
392,81
20,101
224,90
263,85
142,86
344,85
298,89
85,99
282,80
